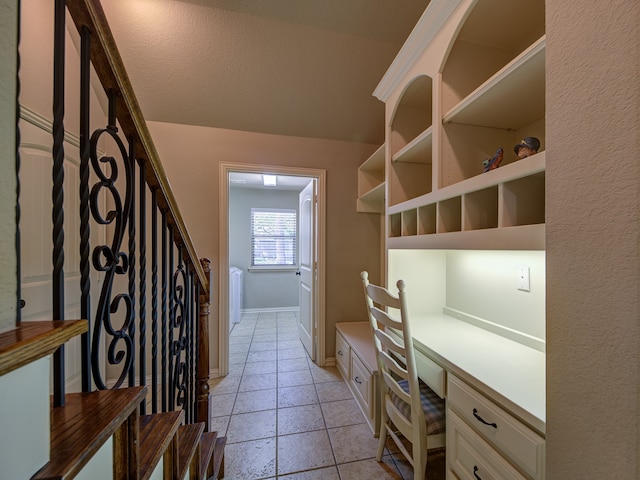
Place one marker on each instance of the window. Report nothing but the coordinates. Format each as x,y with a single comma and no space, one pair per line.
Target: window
273,237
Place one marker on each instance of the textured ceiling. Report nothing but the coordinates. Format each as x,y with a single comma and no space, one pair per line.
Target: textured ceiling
305,68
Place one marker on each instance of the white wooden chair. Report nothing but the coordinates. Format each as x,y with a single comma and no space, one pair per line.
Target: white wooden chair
409,408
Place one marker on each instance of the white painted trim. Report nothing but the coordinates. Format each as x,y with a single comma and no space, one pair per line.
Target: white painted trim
270,310
223,255
430,23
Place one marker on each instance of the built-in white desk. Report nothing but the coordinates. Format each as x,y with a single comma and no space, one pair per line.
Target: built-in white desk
510,373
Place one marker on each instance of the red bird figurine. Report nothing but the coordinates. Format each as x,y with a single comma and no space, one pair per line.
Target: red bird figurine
494,162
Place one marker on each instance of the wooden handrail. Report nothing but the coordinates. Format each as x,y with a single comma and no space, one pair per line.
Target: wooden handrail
113,76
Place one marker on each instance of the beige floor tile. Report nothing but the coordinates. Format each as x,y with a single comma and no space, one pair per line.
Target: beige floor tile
253,401
250,460
259,368
262,346
221,405
300,419
265,337
332,391
325,374
299,352
257,382
292,364
219,424
262,356
304,451
286,344
237,358
353,443
295,396
297,377
328,473
239,348
342,413
370,469
251,426
228,384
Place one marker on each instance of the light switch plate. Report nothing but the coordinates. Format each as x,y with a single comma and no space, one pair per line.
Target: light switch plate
524,282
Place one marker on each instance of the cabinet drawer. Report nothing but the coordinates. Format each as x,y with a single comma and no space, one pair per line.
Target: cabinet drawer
343,355
431,373
361,381
521,444
469,457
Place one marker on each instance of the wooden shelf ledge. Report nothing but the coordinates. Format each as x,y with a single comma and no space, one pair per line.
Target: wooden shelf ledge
31,341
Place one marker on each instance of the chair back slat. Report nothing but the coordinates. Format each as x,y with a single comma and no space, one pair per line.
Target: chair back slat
402,398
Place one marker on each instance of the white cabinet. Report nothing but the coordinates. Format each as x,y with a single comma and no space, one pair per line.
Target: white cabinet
483,437
356,362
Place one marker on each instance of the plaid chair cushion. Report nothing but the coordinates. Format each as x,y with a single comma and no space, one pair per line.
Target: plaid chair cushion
432,405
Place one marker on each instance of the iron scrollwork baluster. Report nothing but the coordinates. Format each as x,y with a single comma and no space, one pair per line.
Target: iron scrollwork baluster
110,259
179,344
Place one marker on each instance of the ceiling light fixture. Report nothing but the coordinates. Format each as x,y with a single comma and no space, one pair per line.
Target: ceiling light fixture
269,180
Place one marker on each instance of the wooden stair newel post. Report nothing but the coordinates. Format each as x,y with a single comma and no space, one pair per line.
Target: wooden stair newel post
202,402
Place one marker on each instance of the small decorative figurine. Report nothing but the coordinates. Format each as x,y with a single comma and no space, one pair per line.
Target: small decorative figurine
527,147
494,162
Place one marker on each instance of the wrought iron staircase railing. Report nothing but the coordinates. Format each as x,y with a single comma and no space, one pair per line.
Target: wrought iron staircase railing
150,319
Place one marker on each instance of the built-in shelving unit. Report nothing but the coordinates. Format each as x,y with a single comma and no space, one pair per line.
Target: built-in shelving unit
469,81
461,101
371,182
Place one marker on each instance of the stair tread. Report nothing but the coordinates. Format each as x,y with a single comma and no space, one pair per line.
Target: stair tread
189,441
156,433
81,426
30,341
218,456
207,446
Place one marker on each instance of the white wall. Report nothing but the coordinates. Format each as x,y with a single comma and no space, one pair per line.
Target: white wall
481,284
8,278
592,222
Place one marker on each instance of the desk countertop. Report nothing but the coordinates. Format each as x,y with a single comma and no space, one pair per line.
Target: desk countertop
511,373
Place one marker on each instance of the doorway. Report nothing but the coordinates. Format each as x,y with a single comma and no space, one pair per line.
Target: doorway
293,175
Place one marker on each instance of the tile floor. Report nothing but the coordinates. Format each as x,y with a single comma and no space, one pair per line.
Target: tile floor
287,418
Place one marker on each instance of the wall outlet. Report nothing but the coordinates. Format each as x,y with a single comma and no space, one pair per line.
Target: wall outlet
523,281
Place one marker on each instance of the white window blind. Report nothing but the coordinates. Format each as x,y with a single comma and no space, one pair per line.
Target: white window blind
273,237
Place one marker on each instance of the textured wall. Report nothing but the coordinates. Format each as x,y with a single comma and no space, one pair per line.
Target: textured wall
8,43
191,156
593,326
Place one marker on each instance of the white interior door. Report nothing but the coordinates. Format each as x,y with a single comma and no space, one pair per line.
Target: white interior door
308,265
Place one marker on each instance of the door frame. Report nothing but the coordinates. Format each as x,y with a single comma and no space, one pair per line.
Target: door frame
223,255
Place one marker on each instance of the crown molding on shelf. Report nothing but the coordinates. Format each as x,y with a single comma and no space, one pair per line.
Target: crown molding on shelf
430,23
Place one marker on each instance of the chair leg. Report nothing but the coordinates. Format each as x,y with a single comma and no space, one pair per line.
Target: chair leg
419,461
382,440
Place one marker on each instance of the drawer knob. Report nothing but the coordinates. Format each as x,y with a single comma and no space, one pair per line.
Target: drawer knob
340,352
357,380
475,472
482,420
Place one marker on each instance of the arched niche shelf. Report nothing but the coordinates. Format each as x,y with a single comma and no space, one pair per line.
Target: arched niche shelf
410,142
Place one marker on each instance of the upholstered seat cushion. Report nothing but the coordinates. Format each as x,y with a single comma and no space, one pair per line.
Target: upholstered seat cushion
432,405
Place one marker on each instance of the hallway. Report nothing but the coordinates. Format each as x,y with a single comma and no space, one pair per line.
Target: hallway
286,418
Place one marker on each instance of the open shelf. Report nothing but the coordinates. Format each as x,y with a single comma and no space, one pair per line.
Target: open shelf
513,98
371,181
419,150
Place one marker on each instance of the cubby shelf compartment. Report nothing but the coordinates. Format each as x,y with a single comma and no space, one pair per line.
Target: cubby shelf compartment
371,183
520,169
506,205
480,209
513,98
524,237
